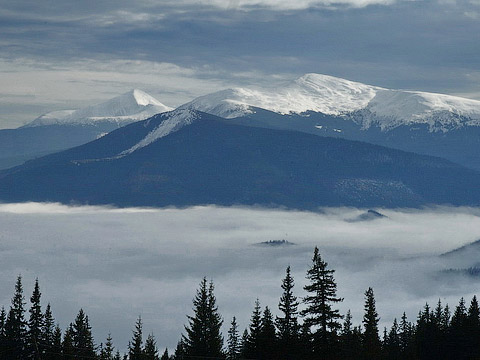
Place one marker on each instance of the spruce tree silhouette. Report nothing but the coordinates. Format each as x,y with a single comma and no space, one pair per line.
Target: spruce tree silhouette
319,315
203,336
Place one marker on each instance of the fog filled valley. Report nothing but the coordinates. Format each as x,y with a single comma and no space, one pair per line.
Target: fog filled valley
118,264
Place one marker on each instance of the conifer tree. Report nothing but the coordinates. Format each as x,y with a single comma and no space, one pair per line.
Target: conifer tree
165,355
233,341
244,344
252,345
473,327
430,333
423,332
350,339
384,340
203,336
439,328
54,351
446,317
319,314
118,356
459,317
345,336
371,340
179,350
3,320
392,346
68,348
405,337
47,329
287,325
35,325
82,339
457,339
438,314
135,349
107,351
347,327
15,325
150,351
267,336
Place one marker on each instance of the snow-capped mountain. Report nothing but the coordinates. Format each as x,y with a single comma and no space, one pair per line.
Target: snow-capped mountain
186,157
133,106
64,129
339,97
425,123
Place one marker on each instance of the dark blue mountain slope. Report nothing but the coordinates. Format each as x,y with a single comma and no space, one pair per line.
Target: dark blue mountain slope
213,161
459,144
25,143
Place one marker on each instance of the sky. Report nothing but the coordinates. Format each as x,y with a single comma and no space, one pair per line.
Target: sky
118,264
67,54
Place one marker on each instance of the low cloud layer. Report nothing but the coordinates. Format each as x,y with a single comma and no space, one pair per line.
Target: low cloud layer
121,263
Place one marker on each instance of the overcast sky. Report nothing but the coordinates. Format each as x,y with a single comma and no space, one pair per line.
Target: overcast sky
67,54
118,264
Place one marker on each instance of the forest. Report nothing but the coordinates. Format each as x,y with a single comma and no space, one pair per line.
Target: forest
307,327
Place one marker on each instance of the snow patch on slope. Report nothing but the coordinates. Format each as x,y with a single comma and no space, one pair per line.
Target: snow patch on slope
133,106
174,121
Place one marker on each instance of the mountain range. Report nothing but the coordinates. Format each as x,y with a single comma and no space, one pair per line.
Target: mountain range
296,146
426,123
339,97
64,129
186,157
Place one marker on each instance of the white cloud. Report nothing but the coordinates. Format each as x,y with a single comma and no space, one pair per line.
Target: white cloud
120,263
90,80
472,14
280,5
70,85
126,17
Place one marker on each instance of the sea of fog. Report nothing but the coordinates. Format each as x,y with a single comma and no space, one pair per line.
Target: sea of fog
118,264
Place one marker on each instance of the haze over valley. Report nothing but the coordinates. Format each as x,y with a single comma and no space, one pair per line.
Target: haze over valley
149,260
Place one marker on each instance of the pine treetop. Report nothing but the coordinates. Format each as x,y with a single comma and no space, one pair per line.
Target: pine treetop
135,348
322,294
203,336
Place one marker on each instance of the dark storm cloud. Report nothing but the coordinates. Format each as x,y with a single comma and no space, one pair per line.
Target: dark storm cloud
415,33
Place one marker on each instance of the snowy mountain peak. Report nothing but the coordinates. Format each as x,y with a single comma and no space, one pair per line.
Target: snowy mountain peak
132,106
142,98
319,82
172,121
315,92
339,97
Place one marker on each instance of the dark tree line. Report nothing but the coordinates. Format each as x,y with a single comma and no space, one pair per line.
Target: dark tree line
317,332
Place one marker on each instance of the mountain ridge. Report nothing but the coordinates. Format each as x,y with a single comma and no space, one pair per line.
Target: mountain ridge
330,95
425,123
213,161
132,106
63,129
